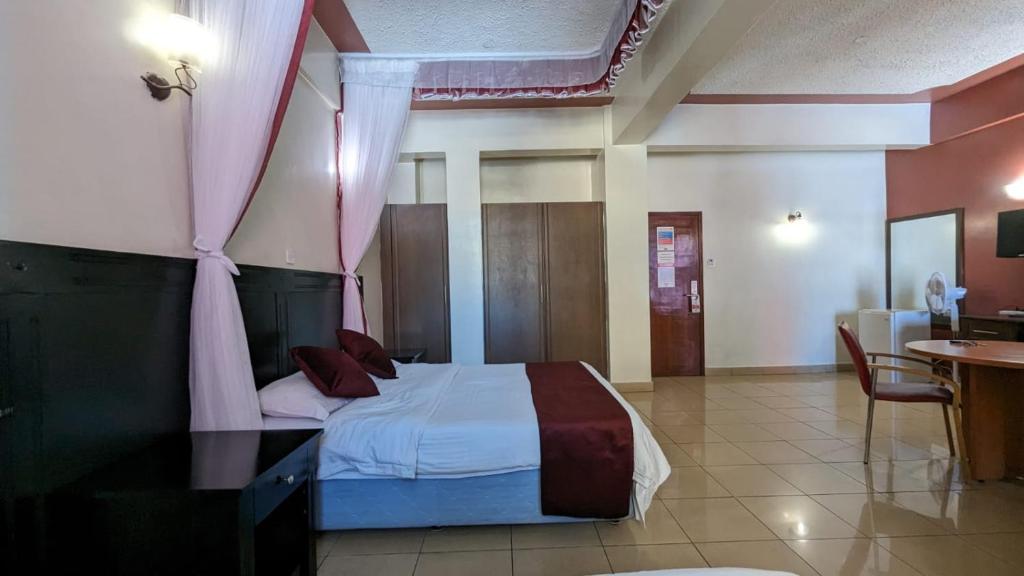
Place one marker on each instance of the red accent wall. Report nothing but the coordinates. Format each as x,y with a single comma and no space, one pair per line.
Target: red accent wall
970,172
992,101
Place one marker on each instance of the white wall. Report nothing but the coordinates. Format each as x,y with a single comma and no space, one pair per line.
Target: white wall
797,126
431,181
773,299
629,313
295,208
557,179
88,158
402,186
597,178
418,181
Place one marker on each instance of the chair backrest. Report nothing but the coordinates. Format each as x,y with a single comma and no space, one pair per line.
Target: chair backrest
860,359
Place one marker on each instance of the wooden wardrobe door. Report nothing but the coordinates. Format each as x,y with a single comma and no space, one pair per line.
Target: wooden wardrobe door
414,277
513,309
577,317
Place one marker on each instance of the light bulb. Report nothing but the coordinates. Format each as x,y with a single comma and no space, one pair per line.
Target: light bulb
1015,189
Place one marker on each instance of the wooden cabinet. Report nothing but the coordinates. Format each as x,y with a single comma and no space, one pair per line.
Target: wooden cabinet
992,328
577,318
414,278
216,503
544,283
514,311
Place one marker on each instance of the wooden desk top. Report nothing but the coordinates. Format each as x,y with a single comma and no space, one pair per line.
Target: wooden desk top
986,353
1009,319
199,461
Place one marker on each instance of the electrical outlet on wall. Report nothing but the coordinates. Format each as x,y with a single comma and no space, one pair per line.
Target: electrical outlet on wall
289,256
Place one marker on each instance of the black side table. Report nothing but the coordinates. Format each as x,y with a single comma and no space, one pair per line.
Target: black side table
201,503
407,355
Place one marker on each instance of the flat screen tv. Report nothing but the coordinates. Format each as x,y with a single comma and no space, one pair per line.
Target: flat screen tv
1010,234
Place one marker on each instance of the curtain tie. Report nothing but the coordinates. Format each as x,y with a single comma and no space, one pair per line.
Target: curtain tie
354,277
202,251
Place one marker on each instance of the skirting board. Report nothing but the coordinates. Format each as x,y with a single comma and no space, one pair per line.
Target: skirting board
634,386
774,370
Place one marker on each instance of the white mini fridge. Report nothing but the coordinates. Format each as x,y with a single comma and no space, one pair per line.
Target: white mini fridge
889,331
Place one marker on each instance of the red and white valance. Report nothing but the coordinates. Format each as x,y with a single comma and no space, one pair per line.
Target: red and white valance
531,76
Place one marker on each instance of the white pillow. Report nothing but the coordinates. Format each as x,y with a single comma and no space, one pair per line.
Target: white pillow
296,397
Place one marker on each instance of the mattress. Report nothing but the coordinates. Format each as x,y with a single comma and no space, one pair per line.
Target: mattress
511,498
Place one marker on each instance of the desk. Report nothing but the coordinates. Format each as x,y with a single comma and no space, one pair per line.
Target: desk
205,503
993,398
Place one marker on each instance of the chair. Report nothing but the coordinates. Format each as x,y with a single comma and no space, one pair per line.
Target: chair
941,389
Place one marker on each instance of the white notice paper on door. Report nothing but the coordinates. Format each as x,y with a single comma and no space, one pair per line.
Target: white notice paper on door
667,258
666,277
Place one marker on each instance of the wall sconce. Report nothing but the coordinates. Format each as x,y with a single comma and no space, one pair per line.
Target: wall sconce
795,230
182,41
1015,189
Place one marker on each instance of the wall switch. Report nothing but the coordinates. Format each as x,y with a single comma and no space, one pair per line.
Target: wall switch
289,256
710,262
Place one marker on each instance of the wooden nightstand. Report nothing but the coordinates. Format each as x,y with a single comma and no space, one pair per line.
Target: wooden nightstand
212,503
407,355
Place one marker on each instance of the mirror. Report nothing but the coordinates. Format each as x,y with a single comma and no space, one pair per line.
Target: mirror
916,247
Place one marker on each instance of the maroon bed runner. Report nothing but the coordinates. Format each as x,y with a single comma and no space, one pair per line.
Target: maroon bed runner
586,443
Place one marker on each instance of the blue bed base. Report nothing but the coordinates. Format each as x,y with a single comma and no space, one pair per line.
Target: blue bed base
512,498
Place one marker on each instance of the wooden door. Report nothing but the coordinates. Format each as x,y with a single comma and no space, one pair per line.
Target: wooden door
414,277
577,318
677,319
514,327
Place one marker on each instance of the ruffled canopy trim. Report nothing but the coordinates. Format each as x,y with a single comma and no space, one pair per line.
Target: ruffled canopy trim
532,76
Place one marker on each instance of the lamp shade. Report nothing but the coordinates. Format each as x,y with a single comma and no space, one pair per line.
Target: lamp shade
1015,189
174,37
186,41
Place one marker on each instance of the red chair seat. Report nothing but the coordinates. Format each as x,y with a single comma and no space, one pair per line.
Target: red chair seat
913,392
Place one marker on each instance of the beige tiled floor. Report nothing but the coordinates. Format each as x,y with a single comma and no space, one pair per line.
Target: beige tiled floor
767,473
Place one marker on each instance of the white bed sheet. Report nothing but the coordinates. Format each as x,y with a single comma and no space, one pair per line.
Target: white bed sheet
452,421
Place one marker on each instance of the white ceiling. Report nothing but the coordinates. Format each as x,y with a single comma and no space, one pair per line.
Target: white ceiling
457,27
868,46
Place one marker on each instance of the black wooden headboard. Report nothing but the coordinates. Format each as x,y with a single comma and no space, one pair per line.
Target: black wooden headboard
286,308
94,362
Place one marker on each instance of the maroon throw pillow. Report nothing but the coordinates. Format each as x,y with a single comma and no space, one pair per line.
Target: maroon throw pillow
334,372
370,355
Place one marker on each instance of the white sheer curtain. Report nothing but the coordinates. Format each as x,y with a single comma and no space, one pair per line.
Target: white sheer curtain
377,95
233,114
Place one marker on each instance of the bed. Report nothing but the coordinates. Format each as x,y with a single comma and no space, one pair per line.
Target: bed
446,444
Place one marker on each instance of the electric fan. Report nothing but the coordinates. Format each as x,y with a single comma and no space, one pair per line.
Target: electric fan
941,299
